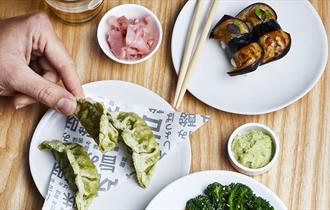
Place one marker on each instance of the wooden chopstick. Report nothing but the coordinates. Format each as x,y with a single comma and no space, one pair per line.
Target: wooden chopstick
189,47
194,59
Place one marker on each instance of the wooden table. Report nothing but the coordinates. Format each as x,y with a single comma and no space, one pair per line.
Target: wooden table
301,177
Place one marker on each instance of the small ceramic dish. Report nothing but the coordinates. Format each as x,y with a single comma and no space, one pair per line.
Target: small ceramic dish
244,128
130,11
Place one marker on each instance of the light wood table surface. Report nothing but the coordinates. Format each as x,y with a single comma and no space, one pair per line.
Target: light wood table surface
301,177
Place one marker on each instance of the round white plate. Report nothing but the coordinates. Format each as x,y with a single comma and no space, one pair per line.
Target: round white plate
272,86
127,195
175,195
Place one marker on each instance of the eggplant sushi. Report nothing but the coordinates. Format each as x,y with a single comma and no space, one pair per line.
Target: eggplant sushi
256,14
229,28
252,38
243,52
246,59
275,44
262,20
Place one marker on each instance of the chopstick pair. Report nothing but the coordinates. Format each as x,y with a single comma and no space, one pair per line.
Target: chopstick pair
190,59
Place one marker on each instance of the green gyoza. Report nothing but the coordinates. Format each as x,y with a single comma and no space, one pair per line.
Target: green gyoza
94,119
138,136
78,169
105,128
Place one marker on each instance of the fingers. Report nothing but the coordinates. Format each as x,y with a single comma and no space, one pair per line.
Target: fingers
60,59
7,92
57,64
21,100
48,44
49,73
40,89
51,76
35,66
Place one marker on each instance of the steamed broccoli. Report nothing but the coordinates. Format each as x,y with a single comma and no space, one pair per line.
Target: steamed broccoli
235,196
239,195
217,194
201,202
258,203
242,197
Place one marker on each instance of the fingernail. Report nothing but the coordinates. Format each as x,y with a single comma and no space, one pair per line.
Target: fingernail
20,106
66,106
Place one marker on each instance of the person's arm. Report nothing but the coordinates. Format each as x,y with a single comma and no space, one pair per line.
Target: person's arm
32,61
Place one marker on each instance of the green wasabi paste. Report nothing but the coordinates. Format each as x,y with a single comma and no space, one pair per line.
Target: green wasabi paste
253,149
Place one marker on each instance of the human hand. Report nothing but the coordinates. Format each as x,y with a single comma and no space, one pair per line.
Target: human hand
32,61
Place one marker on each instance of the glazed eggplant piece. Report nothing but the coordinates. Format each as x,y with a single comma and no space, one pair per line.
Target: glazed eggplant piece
274,41
262,20
229,28
264,28
247,59
275,44
237,43
240,46
256,14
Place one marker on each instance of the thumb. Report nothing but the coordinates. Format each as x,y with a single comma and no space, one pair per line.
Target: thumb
44,91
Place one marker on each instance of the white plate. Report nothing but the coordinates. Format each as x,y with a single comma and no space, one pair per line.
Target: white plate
272,86
128,195
175,195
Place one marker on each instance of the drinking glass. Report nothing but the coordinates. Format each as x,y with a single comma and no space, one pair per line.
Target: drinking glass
75,11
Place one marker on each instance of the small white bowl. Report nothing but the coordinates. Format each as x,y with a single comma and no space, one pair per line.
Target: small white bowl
253,126
130,11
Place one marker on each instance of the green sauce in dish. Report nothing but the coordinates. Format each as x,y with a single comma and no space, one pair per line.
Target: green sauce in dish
253,149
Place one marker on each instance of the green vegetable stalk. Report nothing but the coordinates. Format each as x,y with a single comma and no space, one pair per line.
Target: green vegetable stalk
235,196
